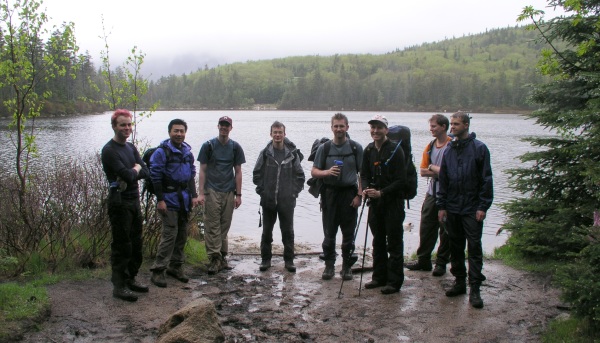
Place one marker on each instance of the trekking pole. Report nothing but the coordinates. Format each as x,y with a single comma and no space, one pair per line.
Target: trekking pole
363,261
349,258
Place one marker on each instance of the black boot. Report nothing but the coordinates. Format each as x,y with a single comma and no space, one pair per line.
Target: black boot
123,293
264,265
475,297
459,287
289,265
346,272
135,286
329,270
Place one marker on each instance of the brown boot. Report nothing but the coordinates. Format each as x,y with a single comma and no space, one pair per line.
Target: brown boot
158,278
177,273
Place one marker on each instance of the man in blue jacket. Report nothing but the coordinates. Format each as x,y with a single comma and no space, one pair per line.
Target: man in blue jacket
172,172
279,178
465,194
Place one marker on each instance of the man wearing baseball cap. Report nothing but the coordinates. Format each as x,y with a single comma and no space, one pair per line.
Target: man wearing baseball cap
383,177
220,191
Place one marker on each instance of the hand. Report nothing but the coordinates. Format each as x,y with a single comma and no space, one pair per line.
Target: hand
356,201
201,199
442,216
238,201
480,216
137,167
195,202
372,193
334,171
161,207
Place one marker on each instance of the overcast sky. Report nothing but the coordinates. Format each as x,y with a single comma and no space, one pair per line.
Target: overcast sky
183,35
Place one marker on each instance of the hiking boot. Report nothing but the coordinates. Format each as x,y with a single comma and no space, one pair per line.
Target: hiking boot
224,264
439,270
424,266
158,278
389,289
136,286
329,271
346,273
459,287
289,265
265,265
373,284
475,297
124,294
215,265
177,273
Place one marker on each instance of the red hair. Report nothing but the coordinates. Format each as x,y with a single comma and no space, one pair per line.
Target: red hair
117,114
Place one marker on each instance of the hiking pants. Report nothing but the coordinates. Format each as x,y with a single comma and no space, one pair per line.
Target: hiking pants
285,211
126,246
338,212
385,221
428,234
465,230
172,241
218,212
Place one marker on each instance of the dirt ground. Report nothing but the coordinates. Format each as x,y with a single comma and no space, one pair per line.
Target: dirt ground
277,306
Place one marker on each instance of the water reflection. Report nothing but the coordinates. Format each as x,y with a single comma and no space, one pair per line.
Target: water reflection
83,135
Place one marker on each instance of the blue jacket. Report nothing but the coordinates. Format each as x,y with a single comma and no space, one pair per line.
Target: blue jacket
465,180
174,180
278,182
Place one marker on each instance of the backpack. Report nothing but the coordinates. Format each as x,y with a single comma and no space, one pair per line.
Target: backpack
148,185
210,150
401,136
314,184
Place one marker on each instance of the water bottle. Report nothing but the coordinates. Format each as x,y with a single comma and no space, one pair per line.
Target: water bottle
340,164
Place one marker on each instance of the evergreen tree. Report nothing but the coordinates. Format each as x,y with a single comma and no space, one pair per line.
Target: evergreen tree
561,181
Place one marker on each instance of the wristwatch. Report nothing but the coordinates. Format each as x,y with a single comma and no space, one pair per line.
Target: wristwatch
429,167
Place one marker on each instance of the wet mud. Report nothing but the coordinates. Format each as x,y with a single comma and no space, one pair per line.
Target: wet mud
278,306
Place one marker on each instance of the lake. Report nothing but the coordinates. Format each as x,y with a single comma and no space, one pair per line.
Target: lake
503,134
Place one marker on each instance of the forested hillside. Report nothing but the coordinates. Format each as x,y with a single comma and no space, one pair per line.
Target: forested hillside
486,72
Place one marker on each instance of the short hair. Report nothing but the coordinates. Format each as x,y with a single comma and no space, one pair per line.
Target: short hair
177,122
118,113
463,116
441,120
339,116
277,123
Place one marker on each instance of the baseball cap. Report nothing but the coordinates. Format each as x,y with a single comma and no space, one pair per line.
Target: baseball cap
379,119
225,119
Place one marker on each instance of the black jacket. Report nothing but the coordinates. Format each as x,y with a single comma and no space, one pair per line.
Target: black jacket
278,182
384,170
465,180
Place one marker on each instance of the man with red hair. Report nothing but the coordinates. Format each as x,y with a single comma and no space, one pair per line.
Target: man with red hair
123,167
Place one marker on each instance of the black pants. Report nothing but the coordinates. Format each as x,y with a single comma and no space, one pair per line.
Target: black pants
126,246
428,234
285,211
385,221
465,230
338,212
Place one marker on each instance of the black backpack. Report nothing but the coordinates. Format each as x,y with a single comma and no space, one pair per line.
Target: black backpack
401,136
314,184
148,186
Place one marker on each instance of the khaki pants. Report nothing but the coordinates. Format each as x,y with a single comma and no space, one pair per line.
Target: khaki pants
218,212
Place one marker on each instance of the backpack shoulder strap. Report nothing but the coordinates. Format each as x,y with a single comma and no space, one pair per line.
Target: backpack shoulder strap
326,148
355,153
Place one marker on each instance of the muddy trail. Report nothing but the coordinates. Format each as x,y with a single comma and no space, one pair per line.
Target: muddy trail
277,306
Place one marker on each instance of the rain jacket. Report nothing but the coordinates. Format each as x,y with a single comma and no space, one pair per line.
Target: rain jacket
174,180
465,180
278,182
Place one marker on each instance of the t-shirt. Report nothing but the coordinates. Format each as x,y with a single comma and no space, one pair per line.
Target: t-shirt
220,175
435,159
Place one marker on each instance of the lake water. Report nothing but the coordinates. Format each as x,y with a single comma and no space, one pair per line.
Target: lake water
501,132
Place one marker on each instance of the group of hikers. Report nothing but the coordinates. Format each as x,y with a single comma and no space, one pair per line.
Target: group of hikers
460,192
